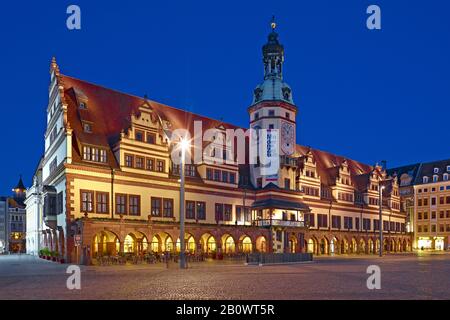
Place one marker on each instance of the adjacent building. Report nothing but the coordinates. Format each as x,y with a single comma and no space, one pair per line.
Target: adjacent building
3,224
108,183
427,201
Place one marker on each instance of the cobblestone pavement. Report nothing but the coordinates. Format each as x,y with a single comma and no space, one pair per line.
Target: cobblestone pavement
411,276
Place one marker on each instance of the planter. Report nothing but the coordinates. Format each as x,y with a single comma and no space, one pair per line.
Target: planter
61,261
47,257
54,259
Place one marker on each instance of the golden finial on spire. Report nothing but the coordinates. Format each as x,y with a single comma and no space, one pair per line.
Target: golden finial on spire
273,24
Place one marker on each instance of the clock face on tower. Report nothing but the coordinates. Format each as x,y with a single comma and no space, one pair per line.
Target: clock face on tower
287,138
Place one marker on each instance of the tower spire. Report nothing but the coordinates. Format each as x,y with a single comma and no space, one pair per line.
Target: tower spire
273,24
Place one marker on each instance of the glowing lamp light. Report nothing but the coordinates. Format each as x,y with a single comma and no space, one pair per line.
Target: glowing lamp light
184,144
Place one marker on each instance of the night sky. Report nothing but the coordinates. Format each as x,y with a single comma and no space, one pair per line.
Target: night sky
364,94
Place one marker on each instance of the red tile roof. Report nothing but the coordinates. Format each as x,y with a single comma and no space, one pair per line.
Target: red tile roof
111,110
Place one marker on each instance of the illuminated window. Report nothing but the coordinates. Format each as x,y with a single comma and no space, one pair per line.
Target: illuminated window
87,201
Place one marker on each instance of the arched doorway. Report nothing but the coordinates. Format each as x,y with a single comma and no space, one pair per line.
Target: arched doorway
334,246
311,246
247,245
208,243
353,246
405,248
228,244
323,246
261,244
362,246
370,245
105,243
292,244
189,243
344,246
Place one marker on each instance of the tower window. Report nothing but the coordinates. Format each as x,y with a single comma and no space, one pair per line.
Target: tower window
271,126
288,115
271,113
256,115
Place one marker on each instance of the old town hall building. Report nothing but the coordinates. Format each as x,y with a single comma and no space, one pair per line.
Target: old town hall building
106,183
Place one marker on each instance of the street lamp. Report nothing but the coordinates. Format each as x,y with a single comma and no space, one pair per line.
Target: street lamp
183,145
381,220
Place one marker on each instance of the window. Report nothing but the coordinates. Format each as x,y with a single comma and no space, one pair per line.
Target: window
190,209
445,176
288,115
287,183
216,175
435,178
336,222
232,177
156,207
53,165
419,216
168,208
441,215
322,220
271,126
376,224
151,138
102,202
425,179
201,210
150,164
189,170
309,218
87,127
433,214
219,211
87,201
59,203
366,224
139,162
86,153
209,173
121,203
348,223
135,205
82,105
129,161
271,113
224,176
256,116
139,135
433,201
436,170
103,155
95,154
160,165
53,135
228,212
448,168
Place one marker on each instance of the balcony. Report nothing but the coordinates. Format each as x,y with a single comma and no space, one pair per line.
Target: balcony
279,223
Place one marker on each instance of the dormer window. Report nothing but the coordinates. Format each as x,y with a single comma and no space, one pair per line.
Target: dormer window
83,105
87,127
425,179
448,168
435,178
151,138
445,176
139,136
436,170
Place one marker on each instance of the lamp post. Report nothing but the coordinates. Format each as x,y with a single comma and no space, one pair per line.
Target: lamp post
381,220
183,146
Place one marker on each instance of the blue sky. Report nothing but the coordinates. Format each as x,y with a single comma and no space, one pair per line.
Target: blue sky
367,95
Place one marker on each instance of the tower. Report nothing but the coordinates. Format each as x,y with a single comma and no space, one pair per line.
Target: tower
273,107
19,191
